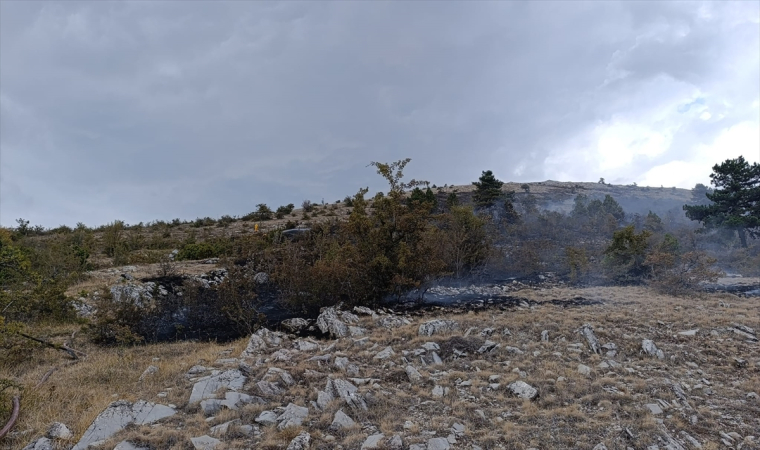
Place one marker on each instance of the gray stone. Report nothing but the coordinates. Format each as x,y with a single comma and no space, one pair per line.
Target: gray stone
261,278
295,325
341,421
437,391
363,310
648,347
654,408
523,390
437,359
293,416
391,322
488,346
600,446
207,387
413,374
232,400
329,322
42,443
268,389
689,332
588,332
341,363
221,429
126,445
347,392
148,372
205,442
395,443
277,375
430,346
545,336
373,442
57,430
438,444
438,326
324,399
263,341
266,418
584,369
119,415
457,429
300,442
306,346
386,353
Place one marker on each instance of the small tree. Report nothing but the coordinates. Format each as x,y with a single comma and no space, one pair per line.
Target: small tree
625,256
487,189
601,181
525,187
736,199
307,206
283,211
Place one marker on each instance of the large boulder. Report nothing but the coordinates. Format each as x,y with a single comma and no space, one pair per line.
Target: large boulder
206,387
329,322
118,415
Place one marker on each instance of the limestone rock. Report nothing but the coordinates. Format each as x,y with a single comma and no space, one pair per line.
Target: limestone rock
386,353
119,415
648,347
413,374
126,445
373,442
148,372
584,369
588,332
266,418
300,442
341,421
329,322
438,444
293,416
232,400
523,390
42,443
207,387
205,442
438,326
58,430
295,325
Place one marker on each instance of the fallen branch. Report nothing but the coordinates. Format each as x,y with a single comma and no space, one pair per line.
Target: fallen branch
12,420
63,347
45,377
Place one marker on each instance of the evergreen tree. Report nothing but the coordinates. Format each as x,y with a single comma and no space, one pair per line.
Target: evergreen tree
736,199
487,189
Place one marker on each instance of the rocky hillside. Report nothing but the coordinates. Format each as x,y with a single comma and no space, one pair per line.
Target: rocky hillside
554,367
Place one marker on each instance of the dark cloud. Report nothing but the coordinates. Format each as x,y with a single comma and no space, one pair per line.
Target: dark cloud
143,111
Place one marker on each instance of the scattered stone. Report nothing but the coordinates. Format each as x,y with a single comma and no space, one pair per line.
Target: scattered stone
689,332
588,332
126,445
268,389
306,346
373,442
438,444
205,442
293,416
295,325
691,440
488,346
584,370
207,387
648,347
654,408
600,446
395,443
545,336
263,341
118,415
221,429
363,310
523,390
300,442
232,400
42,443
148,372
266,418
328,322
386,353
413,375
438,326
341,421
58,430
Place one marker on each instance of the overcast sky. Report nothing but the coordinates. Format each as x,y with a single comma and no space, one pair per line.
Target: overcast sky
143,111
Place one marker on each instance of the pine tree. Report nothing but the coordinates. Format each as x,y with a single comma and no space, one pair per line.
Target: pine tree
487,189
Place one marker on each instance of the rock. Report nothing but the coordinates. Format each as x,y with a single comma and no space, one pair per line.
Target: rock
654,408
523,390
277,375
363,310
438,326
648,347
600,446
329,322
691,440
306,346
356,331
57,430
689,332
395,443
588,332
413,375
545,336
293,416
221,429
42,443
341,363
584,370
391,322
205,442
148,372
268,389
300,442
295,325
438,391
118,415
324,399
753,395
232,400
341,421
373,442
266,418
347,392
386,353
261,278
438,444
430,346
126,445
488,346
457,429
743,331
437,359
207,387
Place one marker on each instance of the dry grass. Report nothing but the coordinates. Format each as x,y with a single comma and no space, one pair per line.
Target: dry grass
573,410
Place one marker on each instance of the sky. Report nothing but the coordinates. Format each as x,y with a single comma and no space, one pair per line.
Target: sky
148,111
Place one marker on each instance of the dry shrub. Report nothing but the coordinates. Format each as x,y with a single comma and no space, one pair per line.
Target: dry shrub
679,274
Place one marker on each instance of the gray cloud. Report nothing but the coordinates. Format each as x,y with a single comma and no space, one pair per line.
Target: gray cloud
144,111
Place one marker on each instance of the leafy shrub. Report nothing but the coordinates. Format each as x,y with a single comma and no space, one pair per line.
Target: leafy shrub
283,211
199,250
625,256
307,206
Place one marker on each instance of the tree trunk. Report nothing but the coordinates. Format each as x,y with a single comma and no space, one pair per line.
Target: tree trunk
743,237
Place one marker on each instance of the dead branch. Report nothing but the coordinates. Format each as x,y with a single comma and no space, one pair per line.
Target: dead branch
12,421
63,347
45,377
